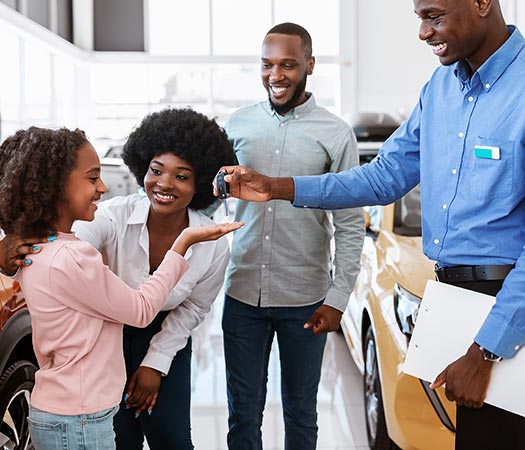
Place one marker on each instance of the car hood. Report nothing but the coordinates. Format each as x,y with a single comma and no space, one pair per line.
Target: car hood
406,262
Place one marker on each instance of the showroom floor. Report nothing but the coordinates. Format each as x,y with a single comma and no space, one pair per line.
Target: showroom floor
341,418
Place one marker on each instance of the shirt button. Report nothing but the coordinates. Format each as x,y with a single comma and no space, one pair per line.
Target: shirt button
461,135
277,152
444,206
517,347
436,241
487,86
471,99
269,209
454,171
296,116
267,238
263,266
281,125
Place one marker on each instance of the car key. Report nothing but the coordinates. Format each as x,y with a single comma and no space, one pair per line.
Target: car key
224,191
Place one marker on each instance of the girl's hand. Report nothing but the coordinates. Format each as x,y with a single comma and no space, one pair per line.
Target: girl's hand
143,390
192,235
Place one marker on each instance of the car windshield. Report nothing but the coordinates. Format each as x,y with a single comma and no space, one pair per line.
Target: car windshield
407,214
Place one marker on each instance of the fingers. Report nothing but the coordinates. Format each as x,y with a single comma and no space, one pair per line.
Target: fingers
439,381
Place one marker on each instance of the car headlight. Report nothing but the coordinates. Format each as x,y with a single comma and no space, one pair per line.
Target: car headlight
406,306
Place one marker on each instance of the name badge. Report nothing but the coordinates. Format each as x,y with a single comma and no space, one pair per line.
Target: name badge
486,152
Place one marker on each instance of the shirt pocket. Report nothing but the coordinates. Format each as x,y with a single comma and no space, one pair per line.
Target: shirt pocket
492,178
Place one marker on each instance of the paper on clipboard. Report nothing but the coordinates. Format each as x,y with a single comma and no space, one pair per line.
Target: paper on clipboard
448,320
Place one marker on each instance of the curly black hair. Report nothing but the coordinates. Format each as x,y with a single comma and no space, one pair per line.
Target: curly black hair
34,168
187,134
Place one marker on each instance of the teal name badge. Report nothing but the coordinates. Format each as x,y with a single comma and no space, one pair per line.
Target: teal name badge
486,152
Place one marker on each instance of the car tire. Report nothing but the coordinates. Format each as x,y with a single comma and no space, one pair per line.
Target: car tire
16,384
376,429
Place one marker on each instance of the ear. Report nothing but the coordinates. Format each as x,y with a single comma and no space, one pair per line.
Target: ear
484,7
311,65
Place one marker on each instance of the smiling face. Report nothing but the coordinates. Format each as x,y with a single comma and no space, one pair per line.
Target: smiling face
169,184
455,30
284,68
83,190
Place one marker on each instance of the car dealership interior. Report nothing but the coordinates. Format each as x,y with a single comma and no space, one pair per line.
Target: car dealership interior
103,65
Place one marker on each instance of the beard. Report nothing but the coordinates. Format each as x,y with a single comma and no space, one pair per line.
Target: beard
285,107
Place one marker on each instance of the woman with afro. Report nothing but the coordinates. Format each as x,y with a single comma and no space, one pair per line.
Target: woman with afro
174,155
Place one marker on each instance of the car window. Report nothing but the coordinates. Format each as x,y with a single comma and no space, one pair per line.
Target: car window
407,214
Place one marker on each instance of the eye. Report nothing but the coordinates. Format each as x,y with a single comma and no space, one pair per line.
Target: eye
288,66
155,171
94,179
182,177
266,66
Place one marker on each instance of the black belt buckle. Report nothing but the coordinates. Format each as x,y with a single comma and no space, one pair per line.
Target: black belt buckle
465,274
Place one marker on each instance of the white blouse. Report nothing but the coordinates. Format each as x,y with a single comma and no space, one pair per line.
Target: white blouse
120,233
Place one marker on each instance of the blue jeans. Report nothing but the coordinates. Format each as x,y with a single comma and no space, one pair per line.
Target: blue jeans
168,426
248,335
83,432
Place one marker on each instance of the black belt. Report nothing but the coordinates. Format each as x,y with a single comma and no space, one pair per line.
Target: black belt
462,274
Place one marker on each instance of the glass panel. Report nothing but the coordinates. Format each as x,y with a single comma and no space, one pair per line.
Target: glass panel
179,28
9,85
37,85
233,33
321,19
64,94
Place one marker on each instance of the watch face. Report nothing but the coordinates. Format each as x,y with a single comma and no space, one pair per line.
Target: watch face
489,356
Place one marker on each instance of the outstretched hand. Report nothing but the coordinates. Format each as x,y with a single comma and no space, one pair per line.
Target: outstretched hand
192,235
15,251
246,184
466,379
324,319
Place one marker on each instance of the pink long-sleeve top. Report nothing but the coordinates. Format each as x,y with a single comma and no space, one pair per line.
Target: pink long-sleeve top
77,308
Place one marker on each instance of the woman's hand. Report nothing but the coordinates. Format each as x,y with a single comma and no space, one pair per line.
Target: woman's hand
15,251
143,390
192,235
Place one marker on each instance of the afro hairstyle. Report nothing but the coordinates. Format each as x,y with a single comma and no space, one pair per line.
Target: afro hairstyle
190,136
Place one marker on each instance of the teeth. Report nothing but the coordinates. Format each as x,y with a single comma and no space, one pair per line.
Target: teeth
165,196
278,90
438,47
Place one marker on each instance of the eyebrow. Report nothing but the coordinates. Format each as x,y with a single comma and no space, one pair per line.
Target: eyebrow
94,169
154,161
426,11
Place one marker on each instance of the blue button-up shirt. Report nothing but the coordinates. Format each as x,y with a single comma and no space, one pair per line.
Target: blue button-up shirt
465,140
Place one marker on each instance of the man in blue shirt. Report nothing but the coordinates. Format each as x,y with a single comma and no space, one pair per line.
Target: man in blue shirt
465,142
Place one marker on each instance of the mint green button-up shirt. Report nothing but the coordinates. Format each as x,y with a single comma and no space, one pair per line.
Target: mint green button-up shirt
282,256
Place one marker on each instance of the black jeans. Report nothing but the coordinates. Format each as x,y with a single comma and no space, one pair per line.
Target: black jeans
168,427
488,428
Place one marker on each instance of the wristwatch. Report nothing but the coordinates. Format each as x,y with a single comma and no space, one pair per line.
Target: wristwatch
489,356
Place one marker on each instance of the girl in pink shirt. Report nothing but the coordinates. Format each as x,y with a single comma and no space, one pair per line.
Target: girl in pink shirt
49,179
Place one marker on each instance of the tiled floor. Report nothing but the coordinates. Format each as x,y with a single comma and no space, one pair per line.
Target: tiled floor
341,418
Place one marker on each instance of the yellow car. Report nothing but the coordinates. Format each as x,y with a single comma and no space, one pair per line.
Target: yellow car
400,411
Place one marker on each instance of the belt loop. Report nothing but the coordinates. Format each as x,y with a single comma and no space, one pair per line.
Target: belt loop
474,273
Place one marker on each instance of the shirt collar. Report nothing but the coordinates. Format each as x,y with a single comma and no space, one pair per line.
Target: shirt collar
496,64
299,111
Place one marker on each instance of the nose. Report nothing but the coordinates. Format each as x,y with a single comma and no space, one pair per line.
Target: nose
276,73
164,181
102,188
425,30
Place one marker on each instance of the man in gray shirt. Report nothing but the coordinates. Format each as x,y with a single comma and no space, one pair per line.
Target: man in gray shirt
280,279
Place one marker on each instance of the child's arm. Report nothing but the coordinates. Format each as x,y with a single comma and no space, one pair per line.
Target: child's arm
80,280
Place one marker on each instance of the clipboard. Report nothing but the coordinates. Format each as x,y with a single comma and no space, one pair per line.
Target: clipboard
448,320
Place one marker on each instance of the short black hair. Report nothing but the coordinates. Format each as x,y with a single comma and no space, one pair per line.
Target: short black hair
35,165
187,134
293,29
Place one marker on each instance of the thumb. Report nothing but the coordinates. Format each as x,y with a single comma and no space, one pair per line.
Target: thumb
440,380
311,321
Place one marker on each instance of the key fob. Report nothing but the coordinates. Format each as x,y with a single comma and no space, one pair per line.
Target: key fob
223,188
